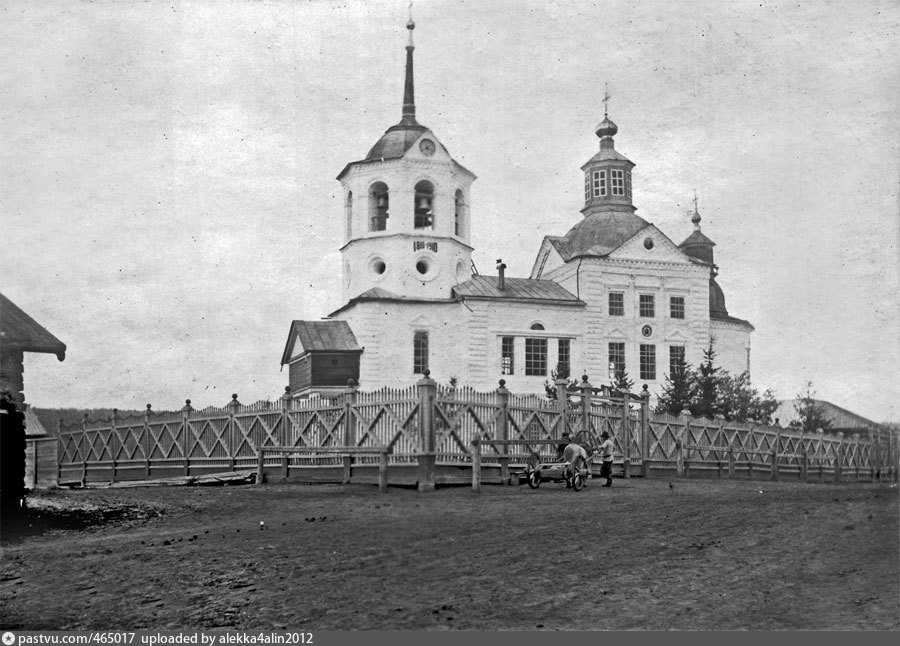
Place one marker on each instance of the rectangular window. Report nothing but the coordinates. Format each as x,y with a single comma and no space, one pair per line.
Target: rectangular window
616,359
536,357
628,184
420,352
617,182
647,306
599,183
648,362
676,359
587,187
676,307
616,304
563,364
507,355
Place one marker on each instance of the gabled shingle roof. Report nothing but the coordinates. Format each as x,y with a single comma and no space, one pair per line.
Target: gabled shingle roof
598,234
320,336
19,331
483,287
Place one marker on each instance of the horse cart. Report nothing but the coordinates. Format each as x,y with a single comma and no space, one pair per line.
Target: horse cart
571,467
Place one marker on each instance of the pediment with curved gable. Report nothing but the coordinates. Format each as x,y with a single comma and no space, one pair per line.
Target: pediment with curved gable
651,245
419,149
616,333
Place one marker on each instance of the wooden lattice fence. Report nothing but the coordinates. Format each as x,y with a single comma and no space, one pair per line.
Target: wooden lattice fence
428,432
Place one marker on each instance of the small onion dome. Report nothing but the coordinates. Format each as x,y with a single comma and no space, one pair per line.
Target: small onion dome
696,218
606,128
410,25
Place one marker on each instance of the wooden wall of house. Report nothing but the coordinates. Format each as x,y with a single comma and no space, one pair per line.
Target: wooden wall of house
41,466
334,369
300,374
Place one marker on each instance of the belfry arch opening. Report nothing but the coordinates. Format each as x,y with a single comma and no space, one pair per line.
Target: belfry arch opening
423,205
379,206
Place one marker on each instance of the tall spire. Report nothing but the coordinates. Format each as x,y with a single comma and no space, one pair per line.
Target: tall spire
409,101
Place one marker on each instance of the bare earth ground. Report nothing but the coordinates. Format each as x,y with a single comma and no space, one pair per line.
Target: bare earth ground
705,555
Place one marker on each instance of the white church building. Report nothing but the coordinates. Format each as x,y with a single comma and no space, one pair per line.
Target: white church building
613,293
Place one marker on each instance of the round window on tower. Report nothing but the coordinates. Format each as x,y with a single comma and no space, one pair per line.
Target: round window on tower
377,267
648,242
425,266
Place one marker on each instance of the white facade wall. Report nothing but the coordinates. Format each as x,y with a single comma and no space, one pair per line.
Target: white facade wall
385,331
732,345
506,319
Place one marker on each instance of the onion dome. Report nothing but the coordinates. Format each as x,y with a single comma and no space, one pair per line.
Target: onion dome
606,128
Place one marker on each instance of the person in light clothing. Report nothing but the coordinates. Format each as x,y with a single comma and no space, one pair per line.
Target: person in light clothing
606,454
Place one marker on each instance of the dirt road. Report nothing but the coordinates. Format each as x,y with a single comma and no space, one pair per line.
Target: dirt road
640,555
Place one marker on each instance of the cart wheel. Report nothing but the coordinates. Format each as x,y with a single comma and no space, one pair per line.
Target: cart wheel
577,474
578,482
534,479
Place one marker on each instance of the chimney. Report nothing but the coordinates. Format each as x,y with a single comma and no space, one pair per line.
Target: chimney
501,268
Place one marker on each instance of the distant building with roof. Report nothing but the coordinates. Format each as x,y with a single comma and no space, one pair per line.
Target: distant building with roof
842,420
614,293
19,333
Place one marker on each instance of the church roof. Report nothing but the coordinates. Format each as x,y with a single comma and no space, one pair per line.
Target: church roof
697,238
598,234
21,332
488,287
395,142
379,294
607,154
320,336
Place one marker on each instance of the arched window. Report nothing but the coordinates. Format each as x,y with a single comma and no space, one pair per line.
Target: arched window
422,205
537,326
378,206
459,214
420,352
349,212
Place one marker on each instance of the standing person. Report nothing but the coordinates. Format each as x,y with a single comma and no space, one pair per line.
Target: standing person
606,454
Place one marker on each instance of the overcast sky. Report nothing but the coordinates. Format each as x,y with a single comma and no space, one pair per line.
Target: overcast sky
168,192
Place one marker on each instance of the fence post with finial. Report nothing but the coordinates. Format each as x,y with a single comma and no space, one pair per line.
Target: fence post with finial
587,392
645,431
60,448
839,459
625,437
147,445
112,444
286,417
503,430
286,429
427,388
232,406
349,438
188,445
682,465
84,450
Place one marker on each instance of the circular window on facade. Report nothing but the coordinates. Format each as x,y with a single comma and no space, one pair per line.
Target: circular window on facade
378,267
426,267
647,331
648,242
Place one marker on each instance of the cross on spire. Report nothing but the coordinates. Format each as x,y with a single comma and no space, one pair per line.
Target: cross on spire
606,98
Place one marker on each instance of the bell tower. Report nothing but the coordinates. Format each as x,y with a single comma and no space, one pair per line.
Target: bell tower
407,211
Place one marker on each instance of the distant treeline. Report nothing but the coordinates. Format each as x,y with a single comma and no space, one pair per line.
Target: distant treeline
50,417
